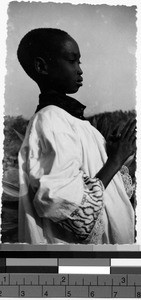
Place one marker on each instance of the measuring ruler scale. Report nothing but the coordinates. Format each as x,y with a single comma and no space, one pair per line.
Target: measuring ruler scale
71,285
70,277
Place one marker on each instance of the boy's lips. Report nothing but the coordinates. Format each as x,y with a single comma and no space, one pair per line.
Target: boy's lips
79,81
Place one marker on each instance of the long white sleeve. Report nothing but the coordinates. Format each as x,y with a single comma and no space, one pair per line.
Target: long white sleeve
63,193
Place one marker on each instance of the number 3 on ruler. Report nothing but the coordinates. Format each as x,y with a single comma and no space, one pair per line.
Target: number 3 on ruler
22,293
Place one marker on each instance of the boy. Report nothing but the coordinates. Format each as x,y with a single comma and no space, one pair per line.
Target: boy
70,191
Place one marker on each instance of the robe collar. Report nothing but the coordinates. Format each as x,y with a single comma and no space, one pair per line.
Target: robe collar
69,104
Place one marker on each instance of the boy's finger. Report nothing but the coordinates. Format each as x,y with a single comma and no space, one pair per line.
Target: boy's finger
115,130
126,125
133,137
129,128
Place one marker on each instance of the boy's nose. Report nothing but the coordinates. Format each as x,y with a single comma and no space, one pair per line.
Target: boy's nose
79,71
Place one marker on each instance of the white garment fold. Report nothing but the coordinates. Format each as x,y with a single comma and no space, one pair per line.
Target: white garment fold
57,149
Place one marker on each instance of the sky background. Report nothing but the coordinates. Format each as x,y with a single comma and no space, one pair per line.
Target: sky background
106,36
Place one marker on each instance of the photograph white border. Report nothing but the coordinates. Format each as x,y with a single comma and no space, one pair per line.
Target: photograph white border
3,33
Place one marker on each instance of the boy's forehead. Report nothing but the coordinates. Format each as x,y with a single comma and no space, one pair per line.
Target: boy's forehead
70,47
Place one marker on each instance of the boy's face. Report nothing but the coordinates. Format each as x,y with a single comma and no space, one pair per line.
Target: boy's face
65,73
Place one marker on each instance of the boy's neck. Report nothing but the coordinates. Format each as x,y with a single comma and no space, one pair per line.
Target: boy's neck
46,89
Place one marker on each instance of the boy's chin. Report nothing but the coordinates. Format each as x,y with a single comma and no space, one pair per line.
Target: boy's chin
72,91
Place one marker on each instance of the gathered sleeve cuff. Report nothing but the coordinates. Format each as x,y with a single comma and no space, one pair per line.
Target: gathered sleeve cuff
86,221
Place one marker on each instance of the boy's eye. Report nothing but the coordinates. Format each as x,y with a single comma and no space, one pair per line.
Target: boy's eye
72,61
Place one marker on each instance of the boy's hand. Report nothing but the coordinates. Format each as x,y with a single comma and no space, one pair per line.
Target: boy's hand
121,145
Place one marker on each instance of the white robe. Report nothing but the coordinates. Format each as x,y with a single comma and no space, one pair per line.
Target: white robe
57,149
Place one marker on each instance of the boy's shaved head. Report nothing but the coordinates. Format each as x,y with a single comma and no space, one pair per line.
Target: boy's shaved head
40,42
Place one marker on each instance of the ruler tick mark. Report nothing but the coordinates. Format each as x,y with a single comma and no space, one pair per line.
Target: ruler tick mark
65,291
83,282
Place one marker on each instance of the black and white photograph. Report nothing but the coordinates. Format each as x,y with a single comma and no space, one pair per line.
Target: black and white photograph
69,158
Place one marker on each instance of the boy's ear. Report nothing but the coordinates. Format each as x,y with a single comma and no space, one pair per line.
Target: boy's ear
41,66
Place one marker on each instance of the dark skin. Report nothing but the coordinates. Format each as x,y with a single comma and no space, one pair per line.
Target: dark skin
64,75
119,151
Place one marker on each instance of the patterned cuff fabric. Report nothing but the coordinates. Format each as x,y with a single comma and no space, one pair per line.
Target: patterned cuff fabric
93,193
86,222
93,197
92,183
127,180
